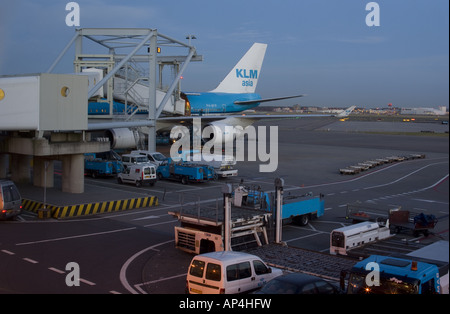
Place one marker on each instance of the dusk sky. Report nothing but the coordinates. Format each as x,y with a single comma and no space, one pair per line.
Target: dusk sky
322,48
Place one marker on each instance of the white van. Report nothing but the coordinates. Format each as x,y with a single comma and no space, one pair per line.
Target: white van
228,272
133,159
153,157
10,200
138,174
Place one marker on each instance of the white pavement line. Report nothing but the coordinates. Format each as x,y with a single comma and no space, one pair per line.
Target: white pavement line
161,223
410,174
8,252
123,270
29,260
139,285
77,236
56,270
307,236
90,283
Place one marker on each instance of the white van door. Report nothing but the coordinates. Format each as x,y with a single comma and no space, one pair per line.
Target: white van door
205,278
239,278
263,273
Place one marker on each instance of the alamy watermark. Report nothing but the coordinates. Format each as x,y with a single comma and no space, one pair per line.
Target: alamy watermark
373,17
373,277
73,277
223,139
73,17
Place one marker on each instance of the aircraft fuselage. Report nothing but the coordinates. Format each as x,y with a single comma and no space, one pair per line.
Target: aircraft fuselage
206,103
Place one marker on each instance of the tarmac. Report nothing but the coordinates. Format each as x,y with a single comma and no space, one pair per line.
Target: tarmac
95,200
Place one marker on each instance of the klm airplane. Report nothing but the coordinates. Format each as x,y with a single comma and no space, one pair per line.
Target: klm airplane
218,109
236,93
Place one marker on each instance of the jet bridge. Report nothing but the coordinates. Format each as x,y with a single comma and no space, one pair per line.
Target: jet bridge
44,117
129,71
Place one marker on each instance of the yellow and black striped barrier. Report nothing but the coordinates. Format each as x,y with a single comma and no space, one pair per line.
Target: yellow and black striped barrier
87,209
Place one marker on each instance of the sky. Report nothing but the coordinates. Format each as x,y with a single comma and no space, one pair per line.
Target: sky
322,48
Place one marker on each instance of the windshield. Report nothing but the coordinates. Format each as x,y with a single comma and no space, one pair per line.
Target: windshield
388,285
159,157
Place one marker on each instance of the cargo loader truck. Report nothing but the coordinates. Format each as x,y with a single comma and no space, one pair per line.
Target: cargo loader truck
253,216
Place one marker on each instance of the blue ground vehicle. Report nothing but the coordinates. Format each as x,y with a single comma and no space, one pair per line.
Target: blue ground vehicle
102,164
295,208
185,171
424,271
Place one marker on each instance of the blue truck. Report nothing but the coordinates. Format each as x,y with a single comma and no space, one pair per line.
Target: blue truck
424,271
298,209
102,164
185,172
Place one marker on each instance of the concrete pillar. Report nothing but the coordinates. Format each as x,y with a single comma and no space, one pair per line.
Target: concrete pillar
20,168
73,173
43,177
4,166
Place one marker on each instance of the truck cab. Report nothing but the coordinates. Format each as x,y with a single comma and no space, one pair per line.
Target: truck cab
406,274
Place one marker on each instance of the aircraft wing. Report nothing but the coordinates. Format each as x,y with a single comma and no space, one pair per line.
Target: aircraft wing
240,119
257,101
209,118
170,121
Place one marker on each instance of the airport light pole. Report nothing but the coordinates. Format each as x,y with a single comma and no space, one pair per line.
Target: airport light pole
227,191
279,183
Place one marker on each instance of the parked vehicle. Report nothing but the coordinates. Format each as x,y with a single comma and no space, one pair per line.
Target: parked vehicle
424,271
10,200
223,164
185,172
153,157
133,159
138,174
299,209
347,238
102,164
418,223
298,283
228,272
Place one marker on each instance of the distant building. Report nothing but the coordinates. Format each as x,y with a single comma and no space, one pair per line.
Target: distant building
425,111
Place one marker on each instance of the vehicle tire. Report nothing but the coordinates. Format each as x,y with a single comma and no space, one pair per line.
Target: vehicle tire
184,180
160,176
119,180
303,220
93,174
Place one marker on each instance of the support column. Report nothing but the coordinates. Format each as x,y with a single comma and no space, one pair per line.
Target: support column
73,173
43,170
151,141
20,168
